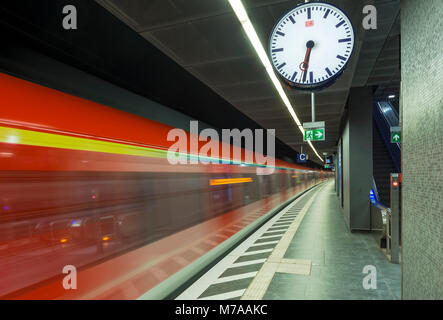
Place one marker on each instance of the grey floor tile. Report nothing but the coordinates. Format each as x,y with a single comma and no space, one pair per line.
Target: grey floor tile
261,247
225,287
261,240
252,257
338,258
240,270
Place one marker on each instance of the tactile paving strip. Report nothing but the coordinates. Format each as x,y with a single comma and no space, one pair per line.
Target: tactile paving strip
234,274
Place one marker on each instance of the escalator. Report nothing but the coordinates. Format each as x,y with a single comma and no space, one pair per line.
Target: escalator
386,156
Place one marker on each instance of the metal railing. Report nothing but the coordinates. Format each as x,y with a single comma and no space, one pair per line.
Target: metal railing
388,220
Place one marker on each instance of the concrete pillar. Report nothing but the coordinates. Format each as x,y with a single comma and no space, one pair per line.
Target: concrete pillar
357,159
421,110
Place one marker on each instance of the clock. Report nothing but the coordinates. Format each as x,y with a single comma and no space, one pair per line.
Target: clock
311,45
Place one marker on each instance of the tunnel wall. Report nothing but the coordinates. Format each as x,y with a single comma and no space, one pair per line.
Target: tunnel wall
422,150
37,67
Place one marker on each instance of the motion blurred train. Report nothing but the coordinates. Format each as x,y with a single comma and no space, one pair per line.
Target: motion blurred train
87,185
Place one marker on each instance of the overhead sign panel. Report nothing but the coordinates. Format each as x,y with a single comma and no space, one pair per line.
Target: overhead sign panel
301,157
314,131
314,125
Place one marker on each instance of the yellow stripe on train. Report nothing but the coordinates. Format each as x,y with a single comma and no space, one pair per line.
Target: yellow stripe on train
44,139
217,182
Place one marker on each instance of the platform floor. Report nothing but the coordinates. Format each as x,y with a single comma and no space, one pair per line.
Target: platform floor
304,252
337,258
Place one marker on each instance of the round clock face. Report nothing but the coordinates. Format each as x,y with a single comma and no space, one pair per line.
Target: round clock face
311,45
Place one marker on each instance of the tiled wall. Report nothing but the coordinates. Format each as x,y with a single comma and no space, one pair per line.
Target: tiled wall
422,154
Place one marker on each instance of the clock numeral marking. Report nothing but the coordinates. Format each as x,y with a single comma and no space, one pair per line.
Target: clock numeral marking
341,58
326,14
280,33
311,77
292,19
309,13
345,40
281,66
277,50
293,76
340,23
328,71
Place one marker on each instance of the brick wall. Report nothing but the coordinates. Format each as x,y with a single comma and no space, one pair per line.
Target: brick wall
422,154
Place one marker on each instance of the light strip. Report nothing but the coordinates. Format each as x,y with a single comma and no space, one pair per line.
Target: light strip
217,182
243,17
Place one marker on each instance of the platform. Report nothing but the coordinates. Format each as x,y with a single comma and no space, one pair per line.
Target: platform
304,252
338,258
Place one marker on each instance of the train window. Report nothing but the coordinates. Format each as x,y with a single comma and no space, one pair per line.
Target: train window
89,229
221,196
4,234
107,225
131,225
60,231
267,186
21,231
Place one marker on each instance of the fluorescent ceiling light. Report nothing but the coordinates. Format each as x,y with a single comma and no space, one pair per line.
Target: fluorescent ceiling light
392,96
242,16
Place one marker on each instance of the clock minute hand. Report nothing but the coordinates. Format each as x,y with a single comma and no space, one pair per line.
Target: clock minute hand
305,64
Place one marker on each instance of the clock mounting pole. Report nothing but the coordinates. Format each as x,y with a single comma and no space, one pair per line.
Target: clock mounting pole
313,106
312,97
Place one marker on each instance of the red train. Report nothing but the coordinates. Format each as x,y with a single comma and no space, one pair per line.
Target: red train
86,185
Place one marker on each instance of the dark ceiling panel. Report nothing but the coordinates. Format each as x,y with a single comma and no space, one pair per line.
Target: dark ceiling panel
208,41
232,71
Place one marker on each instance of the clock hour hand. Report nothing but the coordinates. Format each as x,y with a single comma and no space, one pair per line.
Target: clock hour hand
305,64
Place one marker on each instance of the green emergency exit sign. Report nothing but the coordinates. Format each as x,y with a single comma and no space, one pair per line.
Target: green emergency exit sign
395,134
315,134
395,137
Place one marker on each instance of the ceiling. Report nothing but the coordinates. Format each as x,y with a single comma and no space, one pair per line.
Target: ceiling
206,39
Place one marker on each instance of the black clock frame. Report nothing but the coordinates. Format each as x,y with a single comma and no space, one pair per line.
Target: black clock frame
325,83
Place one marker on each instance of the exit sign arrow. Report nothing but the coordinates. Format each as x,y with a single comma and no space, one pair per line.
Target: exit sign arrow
315,133
395,134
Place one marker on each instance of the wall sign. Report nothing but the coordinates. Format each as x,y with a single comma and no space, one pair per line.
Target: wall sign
301,158
395,134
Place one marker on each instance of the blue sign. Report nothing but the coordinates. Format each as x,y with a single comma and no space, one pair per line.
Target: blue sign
301,158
